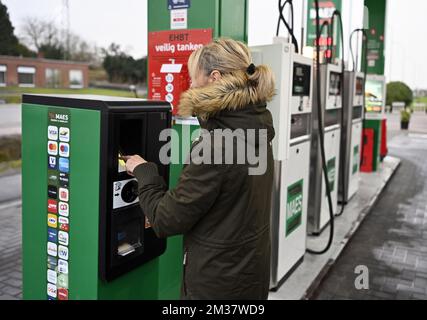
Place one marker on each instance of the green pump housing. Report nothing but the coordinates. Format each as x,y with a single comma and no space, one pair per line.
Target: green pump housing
226,18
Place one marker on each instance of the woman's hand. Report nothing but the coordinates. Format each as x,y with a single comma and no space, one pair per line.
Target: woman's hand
132,162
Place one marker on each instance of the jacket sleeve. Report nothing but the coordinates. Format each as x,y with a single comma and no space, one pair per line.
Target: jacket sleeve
176,211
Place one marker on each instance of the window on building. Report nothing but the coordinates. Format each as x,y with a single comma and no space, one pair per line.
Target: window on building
3,70
76,79
26,76
53,78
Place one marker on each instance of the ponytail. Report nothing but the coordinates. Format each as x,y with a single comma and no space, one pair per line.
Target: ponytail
261,83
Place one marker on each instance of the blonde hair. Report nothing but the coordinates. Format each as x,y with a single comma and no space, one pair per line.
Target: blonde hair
232,59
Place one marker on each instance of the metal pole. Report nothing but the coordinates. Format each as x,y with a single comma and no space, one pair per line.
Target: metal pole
303,23
356,67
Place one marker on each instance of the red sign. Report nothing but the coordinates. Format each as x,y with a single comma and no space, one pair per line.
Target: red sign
64,227
52,206
384,149
367,155
168,53
62,294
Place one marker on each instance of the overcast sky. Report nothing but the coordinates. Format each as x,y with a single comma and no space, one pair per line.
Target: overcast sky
125,22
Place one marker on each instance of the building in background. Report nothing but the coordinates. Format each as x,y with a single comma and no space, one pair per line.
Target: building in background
39,72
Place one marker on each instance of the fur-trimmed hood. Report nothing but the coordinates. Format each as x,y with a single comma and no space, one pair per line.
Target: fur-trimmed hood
228,93
226,106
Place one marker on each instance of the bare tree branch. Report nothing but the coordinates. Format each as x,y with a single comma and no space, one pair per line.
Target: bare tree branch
33,32
45,34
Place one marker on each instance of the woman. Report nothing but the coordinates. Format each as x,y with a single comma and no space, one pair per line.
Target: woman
222,210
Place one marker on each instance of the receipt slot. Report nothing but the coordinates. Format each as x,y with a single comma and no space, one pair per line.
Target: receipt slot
84,233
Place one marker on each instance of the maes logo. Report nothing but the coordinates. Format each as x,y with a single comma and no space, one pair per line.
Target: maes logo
63,117
57,116
295,206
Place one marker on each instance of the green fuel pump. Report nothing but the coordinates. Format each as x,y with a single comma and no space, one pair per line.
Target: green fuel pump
168,77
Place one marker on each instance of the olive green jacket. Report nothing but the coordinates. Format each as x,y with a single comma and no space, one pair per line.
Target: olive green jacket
222,211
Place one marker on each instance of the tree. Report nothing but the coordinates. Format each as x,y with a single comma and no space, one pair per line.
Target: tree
81,50
140,71
9,43
49,41
33,31
399,92
44,37
7,37
122,67
52,51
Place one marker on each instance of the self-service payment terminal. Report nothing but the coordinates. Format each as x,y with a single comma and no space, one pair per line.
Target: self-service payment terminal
331,95
291,110
130,240
84,233
353,109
